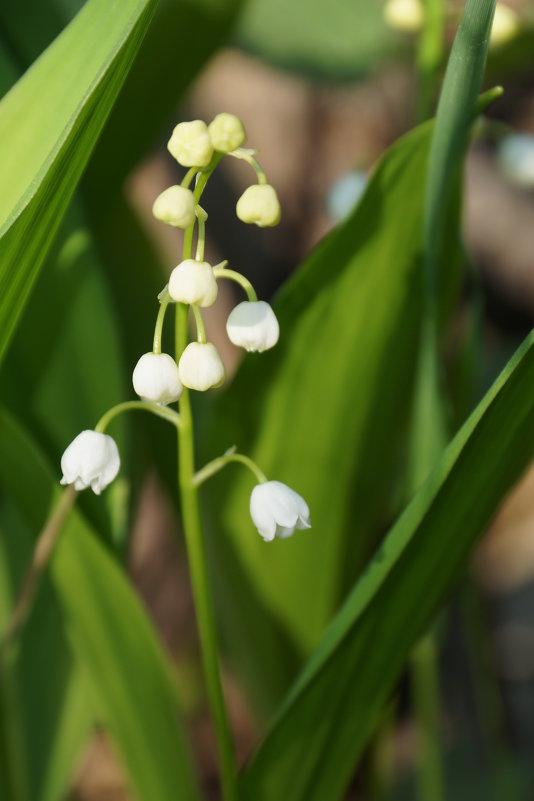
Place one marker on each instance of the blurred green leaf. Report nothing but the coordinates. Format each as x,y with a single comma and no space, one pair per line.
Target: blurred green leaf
331,401
49,123
345,39
109,631
47,712
338,696
456,110
58,383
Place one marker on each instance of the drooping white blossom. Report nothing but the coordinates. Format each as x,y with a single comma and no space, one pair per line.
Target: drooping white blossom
253,325
227,132
190,144
175,206
259,204
91,460
200,366
155,378
277,510
193,282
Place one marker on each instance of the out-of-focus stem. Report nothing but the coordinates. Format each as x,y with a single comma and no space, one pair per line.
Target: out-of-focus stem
425,690
44,547
429,58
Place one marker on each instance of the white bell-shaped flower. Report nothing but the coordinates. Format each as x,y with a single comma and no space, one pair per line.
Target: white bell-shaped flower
155,378
175,206
259,204
253,325
200,366
277,510
91,460
193,282
190,144
227,132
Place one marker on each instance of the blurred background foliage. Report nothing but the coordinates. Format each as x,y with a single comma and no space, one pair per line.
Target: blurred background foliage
324,90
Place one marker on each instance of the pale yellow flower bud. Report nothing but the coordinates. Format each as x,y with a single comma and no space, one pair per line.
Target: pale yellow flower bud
193,282
190,144
200,367
505,25
259,204
226,132
404,15
175,206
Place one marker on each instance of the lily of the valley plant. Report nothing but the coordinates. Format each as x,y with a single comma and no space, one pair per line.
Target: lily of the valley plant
160,379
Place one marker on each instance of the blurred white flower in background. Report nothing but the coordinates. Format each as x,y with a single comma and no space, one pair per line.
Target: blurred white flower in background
345,194
516,158
506,25
404,15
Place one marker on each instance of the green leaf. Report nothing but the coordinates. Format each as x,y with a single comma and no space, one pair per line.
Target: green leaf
47,703
331,400
345,39
58,383
110,633
313,745
49,123
364,649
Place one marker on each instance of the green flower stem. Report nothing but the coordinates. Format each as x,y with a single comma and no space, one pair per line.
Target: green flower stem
430,53
221,461
164,299
202,180
246,155
146,406
188,177
44,547
424,676
202,217
232,275
194,538
199,322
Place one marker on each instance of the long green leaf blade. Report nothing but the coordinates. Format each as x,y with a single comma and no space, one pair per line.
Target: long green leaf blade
342,373
338,696
110,633
49,123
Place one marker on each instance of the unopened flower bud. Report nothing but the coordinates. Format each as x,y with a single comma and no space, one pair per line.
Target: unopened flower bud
253,325
226,132
175,206
193,282
506,25
277,510
200,367
259,204
91,460
404,15
155,378
190,144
